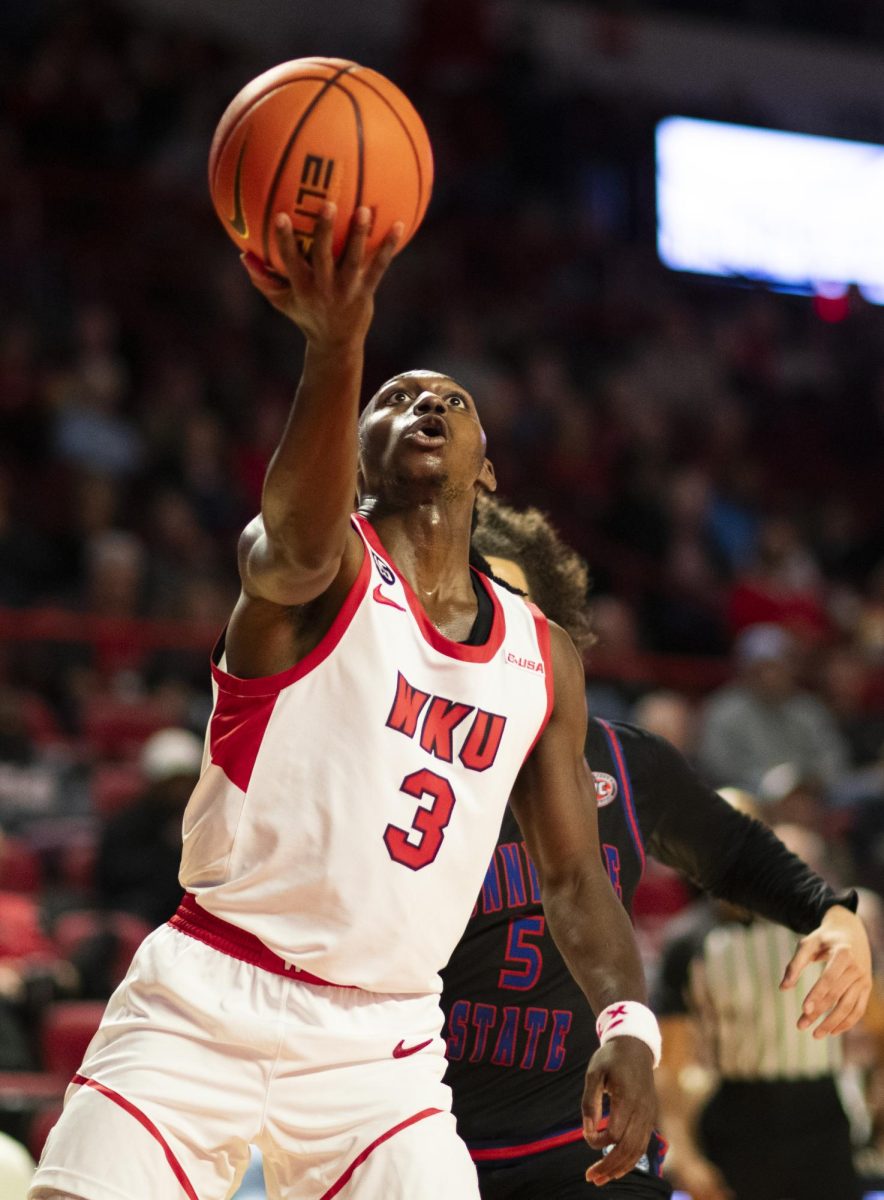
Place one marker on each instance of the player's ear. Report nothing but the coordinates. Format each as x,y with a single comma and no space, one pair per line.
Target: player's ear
487,479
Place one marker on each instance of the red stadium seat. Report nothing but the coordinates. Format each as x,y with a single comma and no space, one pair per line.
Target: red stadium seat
114,786
21,931
76,865
25,1096
72,929
20,868
24,1090
39,1126
118,728
67,1029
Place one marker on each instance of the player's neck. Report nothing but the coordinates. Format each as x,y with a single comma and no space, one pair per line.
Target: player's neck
430,545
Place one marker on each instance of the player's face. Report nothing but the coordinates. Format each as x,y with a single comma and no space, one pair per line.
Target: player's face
422,427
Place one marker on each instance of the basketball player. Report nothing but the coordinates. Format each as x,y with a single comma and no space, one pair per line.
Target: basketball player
376,702
517,1028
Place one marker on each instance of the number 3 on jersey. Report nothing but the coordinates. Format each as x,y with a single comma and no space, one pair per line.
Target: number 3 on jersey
429,822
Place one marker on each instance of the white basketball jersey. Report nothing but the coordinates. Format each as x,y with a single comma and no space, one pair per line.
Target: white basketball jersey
349,806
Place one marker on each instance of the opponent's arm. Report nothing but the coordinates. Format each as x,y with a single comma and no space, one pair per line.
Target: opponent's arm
736,858
554,803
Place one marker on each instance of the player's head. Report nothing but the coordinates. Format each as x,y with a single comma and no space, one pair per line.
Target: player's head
421,431
553,575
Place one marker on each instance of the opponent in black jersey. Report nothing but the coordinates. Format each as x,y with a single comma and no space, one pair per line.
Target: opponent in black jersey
518,1029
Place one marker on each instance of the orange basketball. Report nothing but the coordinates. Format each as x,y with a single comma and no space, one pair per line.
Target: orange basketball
312,130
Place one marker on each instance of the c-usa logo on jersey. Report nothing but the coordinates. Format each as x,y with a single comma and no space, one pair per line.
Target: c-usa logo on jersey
383,570
605,788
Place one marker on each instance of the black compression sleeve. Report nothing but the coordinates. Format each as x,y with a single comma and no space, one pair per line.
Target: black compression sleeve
730,855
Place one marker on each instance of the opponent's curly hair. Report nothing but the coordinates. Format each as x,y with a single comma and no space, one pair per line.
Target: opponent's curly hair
557,576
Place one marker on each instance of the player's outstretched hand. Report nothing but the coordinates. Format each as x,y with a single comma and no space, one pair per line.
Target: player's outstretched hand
331,302
841,994
622,1070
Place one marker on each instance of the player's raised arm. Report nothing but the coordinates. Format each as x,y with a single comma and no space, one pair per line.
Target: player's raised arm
554,802
294,551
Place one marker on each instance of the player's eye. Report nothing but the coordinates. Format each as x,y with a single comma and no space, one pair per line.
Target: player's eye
398,398
457,400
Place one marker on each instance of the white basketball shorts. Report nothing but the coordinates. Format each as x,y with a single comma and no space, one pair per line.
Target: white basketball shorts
201,1053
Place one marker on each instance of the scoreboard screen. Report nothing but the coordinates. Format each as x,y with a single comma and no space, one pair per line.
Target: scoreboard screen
797,212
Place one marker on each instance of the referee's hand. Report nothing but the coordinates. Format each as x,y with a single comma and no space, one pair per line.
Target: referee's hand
623,1071
841,994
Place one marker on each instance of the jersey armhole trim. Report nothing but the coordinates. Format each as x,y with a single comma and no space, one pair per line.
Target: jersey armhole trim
270,685
626,797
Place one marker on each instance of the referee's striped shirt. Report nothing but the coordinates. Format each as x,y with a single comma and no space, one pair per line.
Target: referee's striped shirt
748,1023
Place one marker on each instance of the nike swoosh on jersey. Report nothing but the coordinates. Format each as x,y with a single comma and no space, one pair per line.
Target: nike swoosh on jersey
378,595
403,1051
238,220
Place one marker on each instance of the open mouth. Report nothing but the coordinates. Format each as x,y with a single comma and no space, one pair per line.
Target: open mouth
429,432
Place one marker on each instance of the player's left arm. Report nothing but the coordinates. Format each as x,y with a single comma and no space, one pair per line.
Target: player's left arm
554,803
736,858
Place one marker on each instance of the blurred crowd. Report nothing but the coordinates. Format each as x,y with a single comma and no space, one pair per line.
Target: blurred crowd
715,453
861,19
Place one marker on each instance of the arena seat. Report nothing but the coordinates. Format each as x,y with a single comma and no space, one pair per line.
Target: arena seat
21,931
20,867
66,1031
76,865
38,1127
24,1097
114,786
117,728
73,929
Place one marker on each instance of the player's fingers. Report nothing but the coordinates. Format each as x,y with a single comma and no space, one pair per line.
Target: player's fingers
321,258
595,1119
296,268
828,1015
806,953
351,259
844,1015
855,1015
829,988
628,1147
273,286
383,256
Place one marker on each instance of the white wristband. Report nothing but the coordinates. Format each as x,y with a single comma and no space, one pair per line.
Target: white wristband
628,1018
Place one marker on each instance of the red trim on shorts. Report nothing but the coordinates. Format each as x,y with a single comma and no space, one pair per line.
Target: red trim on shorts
196,922
271,685
343,1180
476,654
142,1119
542,626
494,1154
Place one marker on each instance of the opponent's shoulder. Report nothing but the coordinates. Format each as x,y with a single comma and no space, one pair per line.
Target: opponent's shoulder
638,745
566,663
566,657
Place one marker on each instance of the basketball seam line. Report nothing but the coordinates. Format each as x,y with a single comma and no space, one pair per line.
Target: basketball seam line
420,175
246,113
280,167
